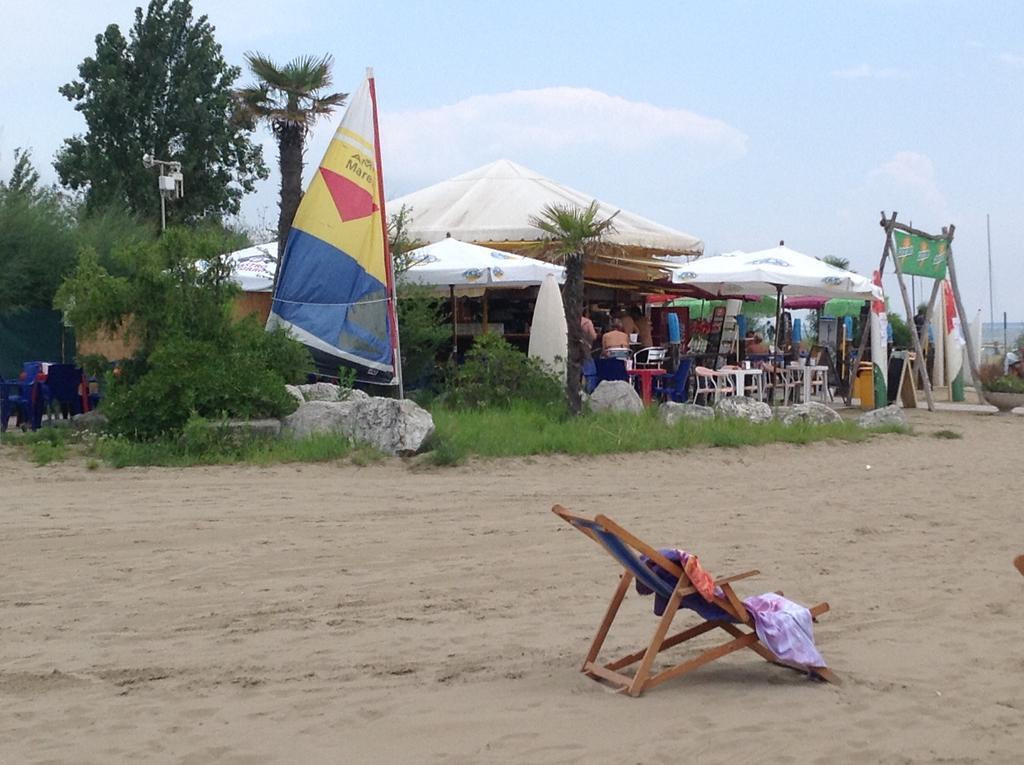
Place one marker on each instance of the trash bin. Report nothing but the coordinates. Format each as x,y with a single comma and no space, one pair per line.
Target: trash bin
864,385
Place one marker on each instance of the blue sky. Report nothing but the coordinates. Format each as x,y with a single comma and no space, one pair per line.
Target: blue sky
741,123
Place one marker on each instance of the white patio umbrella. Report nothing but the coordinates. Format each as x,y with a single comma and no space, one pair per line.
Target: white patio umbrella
772,271
453,263
464,267
253,268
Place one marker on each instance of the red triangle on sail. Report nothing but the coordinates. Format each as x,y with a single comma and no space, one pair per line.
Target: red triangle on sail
352,200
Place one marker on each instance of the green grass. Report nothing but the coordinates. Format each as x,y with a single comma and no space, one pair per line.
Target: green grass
120,452
524,430
950,434
44,446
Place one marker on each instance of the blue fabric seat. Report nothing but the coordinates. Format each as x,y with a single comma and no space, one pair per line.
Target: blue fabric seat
64,382
676,387
611,369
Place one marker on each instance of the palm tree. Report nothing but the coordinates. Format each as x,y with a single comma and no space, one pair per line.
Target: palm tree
290,98
574,234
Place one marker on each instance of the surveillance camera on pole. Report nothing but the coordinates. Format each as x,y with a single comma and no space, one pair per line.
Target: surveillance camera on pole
170,182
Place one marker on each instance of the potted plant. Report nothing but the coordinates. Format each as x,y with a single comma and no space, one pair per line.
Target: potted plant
1004,391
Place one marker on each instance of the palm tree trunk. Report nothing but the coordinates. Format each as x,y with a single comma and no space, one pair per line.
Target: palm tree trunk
572,300
290,139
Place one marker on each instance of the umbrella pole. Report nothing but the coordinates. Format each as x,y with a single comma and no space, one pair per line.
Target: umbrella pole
778,318
455,323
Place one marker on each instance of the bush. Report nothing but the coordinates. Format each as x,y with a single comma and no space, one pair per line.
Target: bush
993,379
495,375
422,331
184,377
174,299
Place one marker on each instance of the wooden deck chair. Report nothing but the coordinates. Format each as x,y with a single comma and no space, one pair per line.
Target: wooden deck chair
624,547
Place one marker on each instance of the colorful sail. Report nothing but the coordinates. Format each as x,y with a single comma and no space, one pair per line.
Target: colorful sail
335,290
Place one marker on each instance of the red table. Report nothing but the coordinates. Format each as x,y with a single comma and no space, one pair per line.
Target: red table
646,377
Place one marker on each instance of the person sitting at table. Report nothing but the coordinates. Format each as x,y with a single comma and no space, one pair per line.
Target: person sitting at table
643,326
757,345
615,342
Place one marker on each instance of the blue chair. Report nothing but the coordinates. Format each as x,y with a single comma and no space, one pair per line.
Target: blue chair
611,369
677,386
22,399
65,382
653,571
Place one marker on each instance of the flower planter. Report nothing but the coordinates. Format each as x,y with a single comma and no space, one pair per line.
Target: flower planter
1005,402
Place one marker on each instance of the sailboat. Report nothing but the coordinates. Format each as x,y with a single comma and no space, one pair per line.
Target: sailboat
336,289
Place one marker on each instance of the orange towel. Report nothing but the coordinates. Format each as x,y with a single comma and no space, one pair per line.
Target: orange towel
702,581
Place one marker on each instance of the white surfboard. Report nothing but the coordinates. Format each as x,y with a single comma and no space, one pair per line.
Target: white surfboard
548,330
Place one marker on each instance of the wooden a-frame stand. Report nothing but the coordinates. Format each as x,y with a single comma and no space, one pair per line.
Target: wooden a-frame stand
920,367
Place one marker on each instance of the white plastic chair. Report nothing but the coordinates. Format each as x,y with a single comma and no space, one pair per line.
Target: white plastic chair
649,358
710,383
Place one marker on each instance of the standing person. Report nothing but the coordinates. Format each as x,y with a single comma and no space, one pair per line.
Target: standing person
588,329
628,325
643,326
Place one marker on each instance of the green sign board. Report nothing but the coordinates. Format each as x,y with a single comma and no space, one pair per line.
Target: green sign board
921,256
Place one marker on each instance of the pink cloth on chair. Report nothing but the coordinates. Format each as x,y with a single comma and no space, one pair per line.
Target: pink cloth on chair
786,628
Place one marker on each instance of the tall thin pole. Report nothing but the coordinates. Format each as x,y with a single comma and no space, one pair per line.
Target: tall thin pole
396,345
991,300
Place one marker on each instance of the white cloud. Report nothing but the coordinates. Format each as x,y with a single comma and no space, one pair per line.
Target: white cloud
867,72
435,142
910,176
1014,60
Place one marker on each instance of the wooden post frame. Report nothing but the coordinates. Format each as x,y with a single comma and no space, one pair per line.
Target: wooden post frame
890,224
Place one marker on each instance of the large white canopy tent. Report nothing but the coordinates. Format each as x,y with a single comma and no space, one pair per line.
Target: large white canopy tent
493,205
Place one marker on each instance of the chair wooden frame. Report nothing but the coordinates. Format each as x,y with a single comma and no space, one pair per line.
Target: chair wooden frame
602,528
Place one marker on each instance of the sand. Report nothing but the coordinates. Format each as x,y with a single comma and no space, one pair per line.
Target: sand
345,614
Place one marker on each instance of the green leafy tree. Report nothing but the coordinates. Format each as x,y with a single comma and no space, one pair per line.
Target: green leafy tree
574,234
37,238
290,99
167,91
174,300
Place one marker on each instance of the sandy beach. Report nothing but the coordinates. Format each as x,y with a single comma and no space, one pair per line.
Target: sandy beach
344,614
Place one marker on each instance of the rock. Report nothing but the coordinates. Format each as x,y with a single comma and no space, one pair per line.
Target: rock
259,428
670,412
812,412
616,396
94,421
294,392
318,417
890,415
394,426
321,391
744,408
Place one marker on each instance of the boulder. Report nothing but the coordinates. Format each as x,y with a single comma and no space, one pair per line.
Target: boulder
391,425
616,396
318,417
890,415
320,391
261,428
394,426
93,421
671,413
812,411
324,391
744,408
294,392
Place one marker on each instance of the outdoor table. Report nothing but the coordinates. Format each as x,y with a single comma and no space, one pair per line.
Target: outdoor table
739,378
806,374
646,376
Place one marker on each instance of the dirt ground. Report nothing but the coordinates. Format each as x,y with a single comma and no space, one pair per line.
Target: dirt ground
344,614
